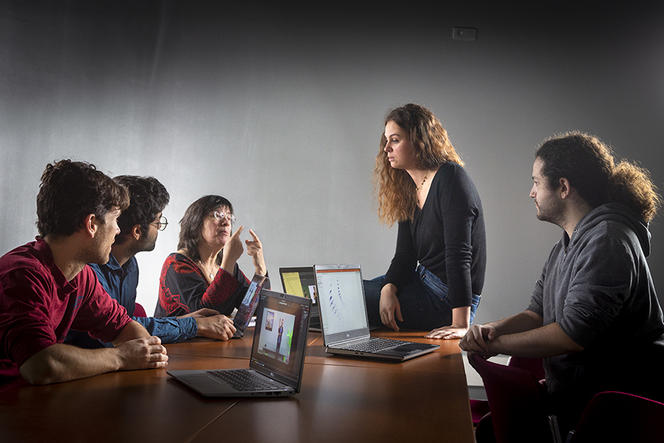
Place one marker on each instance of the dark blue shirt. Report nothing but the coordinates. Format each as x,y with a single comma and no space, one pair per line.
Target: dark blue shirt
121,282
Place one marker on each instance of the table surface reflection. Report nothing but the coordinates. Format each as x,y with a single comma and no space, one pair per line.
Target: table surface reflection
343,399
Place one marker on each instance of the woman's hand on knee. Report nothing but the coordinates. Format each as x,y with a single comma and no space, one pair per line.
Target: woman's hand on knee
389,307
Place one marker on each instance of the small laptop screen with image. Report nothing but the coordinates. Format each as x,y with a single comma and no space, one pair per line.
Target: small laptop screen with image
281,333
299,281
276,337
249,302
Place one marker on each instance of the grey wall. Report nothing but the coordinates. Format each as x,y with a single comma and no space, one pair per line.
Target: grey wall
280,110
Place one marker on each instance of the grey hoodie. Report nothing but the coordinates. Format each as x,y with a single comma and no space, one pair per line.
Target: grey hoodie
598,288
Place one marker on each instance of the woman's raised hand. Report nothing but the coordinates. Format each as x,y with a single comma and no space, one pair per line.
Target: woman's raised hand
232,251
255,250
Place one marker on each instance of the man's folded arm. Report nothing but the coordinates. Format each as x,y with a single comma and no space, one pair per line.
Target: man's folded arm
544,341
135,349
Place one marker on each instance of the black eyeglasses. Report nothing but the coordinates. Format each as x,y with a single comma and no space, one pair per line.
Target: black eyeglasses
161,224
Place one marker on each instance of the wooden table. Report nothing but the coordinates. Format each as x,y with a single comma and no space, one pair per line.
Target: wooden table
342,400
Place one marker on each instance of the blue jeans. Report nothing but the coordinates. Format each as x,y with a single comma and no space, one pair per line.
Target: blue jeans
424,301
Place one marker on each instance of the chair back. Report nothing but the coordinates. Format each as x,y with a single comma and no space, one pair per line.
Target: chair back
619,416
518,411
480,408
139,311
532,365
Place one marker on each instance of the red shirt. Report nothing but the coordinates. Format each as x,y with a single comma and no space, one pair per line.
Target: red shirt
38,306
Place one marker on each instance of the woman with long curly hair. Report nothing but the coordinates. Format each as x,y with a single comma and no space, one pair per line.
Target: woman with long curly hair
437,273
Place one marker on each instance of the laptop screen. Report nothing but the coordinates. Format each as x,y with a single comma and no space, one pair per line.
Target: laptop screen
249,302
299,281
341,298
280,336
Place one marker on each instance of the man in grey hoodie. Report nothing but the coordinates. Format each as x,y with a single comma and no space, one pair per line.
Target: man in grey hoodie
594,316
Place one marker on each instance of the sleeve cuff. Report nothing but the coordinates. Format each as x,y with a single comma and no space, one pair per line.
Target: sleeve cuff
27,347
170,329
189,327
536,308
582,332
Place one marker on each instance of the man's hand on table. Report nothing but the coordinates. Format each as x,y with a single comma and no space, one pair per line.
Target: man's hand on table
218,327
142,353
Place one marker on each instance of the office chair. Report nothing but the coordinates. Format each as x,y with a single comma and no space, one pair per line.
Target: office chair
516,401
613,416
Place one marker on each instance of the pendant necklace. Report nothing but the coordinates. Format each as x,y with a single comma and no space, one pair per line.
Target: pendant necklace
210,274
424,180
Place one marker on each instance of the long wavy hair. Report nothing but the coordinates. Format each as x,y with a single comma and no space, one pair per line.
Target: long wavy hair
191,224
589,166
394,188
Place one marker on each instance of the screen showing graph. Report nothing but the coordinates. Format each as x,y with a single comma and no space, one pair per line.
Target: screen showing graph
341,299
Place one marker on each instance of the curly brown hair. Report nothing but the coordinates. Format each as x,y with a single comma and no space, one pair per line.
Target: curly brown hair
71,190
395,190
589,165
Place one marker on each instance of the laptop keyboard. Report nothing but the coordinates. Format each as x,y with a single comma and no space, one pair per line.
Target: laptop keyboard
243,380
372,345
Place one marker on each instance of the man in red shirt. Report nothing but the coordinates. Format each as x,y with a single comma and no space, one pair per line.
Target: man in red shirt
46,289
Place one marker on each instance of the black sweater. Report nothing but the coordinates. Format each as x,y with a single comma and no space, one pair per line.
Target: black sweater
446,236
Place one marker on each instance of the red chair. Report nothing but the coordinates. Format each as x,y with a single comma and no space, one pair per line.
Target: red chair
479,408
139,311
613,416
516,400
532,365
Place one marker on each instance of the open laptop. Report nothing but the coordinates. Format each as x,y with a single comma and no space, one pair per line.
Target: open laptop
248,305
277,354
300,281
344,318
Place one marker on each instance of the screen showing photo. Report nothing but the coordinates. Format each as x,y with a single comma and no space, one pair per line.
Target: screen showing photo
249,302
300,283
246,308
276,338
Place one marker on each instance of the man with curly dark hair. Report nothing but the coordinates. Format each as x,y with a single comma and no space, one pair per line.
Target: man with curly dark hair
46,287
594,316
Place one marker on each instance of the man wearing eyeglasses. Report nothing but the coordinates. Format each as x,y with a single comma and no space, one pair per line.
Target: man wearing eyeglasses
139,226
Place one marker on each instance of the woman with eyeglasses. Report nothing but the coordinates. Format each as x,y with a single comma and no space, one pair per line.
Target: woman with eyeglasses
204,273
437,273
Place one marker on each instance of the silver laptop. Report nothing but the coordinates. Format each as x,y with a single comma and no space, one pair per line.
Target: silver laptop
248,305
344,318
277,354
300,281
